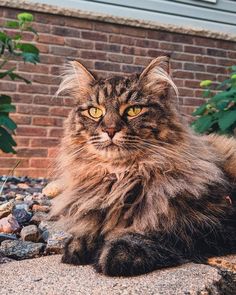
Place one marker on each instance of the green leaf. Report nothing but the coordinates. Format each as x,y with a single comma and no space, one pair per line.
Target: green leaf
12,24
27,48
206,83
200,110
202,124
206,93
227,119
25,17
221,105
7,108
6,141
30,57
3,37
5,99
7,122
222,84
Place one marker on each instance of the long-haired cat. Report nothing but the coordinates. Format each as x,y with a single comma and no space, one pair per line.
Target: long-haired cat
141,190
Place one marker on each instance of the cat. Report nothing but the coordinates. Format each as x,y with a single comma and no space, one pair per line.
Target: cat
141,191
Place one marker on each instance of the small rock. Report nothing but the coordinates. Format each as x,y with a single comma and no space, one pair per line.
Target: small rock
5,208
30,233
53,189
23,185
4,259
22,206
38,217
19,197
9,224
11,194
21,249
4,237
13,187
41,208
22,216
56,242
28,198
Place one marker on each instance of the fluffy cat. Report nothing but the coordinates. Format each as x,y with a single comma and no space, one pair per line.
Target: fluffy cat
141,191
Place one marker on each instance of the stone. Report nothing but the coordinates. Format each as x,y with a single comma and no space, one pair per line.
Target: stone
6,208
38,217
4,237
53,189
4,259
21,249
19,197
41,208
9,224
56,242
30,233
22,206
23,186
22,216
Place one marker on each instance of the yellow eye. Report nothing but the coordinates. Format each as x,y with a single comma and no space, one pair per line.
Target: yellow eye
133,111
95,112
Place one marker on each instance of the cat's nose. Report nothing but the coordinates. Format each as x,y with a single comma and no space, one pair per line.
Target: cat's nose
111,131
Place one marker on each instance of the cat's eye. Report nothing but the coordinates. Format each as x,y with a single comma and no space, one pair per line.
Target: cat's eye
133,111
95,113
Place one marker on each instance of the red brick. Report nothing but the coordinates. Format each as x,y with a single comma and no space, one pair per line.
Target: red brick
121,39
108,47
40,163
131,69
31,68
50,39
159,35
120,58
10,163
194,67
65,31
63,51
7,86
22,120
107,66
182,74
47,121
53,152
34,88
78,23
94,36
55,132
93,55
61,112
110,28
45,142
31,152
78,43
31,131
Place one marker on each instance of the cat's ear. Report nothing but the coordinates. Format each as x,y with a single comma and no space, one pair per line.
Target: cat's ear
156,77
76,80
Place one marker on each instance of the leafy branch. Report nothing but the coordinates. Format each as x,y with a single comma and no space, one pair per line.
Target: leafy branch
12,47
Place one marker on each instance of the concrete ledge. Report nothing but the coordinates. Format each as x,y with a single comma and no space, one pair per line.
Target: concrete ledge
27,5
46,275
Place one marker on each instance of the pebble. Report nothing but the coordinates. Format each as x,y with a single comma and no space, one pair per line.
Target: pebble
30,233
6,208
23,185
41,208
24,207
22,216
53,189
21,249
9,224
4,237
56,242
4,259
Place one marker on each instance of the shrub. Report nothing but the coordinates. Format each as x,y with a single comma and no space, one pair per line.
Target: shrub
12,47
218,114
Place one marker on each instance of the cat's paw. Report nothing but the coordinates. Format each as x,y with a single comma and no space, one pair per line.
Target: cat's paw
126,256
76,252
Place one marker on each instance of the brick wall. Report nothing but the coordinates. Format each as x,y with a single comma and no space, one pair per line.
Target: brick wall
105,49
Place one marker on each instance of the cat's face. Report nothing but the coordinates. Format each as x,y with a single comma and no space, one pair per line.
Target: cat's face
120,117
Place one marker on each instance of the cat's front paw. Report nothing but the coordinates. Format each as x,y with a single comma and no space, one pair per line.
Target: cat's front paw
126,256
77,252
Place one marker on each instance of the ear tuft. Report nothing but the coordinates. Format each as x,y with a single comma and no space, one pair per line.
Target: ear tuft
156,74
76,80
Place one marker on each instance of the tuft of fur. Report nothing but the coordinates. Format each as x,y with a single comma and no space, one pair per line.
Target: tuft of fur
155,199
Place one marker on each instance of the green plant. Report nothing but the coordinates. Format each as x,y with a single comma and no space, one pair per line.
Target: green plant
218,114
12,47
